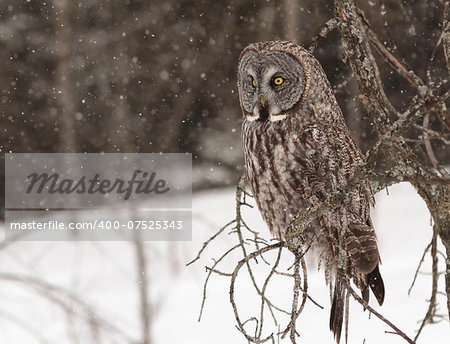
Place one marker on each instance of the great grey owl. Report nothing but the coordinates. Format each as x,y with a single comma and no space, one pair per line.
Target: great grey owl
298,152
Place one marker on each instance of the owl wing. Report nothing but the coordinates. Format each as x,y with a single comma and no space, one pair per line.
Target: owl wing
318,169
326,158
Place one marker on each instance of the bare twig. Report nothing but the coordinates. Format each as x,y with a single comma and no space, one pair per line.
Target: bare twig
431,312
226,274
443,38
431,134
206,243
377,314
410,76
429,149
329,26
418,268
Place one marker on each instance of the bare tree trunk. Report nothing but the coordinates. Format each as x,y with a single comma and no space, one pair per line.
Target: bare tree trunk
120,131
119,126
143,292
291,15
63,86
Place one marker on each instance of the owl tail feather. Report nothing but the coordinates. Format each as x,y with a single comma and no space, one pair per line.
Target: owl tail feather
376,284
337,309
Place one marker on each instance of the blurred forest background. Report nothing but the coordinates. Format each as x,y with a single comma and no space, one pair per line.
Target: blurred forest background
151,76
160,76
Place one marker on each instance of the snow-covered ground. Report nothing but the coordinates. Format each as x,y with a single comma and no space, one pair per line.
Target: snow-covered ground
104,275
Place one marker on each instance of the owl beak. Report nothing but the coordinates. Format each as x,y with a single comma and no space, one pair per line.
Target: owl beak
263,103
263,111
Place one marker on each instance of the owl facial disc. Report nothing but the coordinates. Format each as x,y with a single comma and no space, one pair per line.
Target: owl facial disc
271,84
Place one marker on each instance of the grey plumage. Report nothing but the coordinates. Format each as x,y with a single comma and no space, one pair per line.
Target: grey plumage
298,151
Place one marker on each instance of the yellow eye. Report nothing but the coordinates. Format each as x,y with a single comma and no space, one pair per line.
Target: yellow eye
278,81
253,83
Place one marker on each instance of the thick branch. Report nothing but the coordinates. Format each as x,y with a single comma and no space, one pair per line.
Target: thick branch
446,34
363,64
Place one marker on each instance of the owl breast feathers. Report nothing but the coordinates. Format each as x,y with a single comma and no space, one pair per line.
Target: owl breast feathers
298,152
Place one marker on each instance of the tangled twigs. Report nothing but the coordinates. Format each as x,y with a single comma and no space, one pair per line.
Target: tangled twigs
299,276
356,37
240,200
240,324
298,247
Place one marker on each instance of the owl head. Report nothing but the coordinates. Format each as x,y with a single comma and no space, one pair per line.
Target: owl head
272,80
